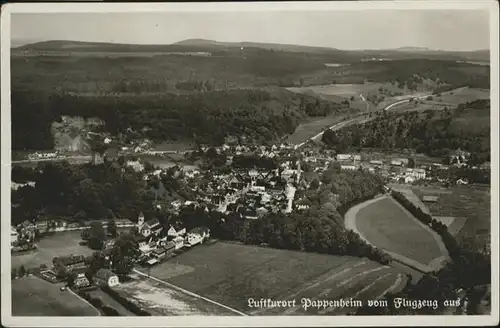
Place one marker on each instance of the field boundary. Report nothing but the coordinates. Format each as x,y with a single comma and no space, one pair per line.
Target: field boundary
84,300
182,290
442,247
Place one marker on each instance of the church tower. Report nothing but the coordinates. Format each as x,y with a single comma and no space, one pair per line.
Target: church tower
140,221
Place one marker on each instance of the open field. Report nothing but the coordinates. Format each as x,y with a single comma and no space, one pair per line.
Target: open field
453,224
312,127
387,225
32,296
449,99
471,202
58,244
161,300
231,274
358,95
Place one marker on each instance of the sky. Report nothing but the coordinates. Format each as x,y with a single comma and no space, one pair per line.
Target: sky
456,30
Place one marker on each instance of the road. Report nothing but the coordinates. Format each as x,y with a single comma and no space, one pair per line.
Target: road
361,119
81,157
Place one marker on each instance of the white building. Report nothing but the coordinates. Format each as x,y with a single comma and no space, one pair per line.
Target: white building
416,174
348,167
344,157
105,276
13,236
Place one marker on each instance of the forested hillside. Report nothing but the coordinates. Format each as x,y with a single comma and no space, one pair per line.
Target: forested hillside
207,117
434,133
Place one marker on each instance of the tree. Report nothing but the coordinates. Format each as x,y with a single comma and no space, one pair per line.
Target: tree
22,271
112,230
70,279
97,235
411,162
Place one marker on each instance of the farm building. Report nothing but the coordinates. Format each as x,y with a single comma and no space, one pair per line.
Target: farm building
348,168
344,157
376,162
73,262
105,276
197,236
81,281
430,199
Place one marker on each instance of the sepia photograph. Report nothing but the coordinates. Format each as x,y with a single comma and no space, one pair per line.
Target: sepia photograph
250,164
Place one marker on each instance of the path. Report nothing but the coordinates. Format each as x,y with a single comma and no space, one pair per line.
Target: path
182,290
350,223
359,120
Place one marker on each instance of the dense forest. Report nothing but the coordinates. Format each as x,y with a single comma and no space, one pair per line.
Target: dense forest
431,132
79,192
205,117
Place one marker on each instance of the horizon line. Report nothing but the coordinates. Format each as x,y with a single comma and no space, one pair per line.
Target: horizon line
32,41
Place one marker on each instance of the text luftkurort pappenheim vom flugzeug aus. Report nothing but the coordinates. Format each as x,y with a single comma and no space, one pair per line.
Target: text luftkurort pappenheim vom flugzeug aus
322,304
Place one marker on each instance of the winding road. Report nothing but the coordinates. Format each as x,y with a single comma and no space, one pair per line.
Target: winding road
362,118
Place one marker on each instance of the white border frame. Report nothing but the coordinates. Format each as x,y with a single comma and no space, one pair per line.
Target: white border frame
249,321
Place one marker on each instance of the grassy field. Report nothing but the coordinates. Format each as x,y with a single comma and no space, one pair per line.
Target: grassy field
449,99
312,127
231,274
161,300
59,244
32,296
388,226
358,95
471,203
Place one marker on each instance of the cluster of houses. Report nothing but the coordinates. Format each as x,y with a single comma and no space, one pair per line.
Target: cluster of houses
22,236
78,265
157,244
43,155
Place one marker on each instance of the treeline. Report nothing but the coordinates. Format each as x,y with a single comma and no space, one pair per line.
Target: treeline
253,161
81,193
432,133
208,117
316,107
467,270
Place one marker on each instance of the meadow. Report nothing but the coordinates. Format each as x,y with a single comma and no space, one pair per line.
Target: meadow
470,202
388,226
32,296
231,274
57,244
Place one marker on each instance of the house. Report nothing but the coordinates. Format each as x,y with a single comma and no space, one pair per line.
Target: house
344,157
108,243
81,281
376,162
136,166
172,232
197,236
106,277
152,226
348,167
144,244
250,215
14,236
409,179
430,199
357,158
396,163
416,173
73,262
